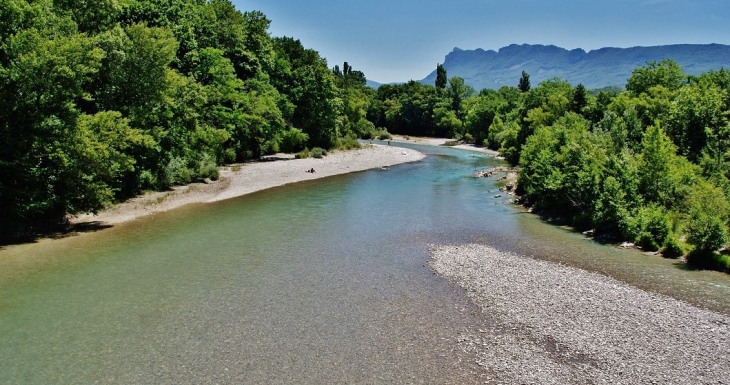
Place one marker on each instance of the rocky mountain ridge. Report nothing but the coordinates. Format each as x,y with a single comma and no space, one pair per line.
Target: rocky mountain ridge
594,69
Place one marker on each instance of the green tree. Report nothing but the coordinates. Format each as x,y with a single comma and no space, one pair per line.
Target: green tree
707,224
524,84
666,73
458,91
579,100
656,161
440,77
697,115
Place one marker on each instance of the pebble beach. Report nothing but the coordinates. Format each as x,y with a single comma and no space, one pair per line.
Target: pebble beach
554,324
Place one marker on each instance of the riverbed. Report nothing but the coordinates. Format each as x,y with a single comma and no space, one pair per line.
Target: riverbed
323,281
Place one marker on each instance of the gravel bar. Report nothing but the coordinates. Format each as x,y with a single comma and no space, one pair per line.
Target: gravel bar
554,324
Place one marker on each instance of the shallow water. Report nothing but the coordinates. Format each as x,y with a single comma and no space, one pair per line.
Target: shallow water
319,282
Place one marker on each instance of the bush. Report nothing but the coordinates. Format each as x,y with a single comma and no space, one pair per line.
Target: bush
468,138
177,173
229,156
270,147
650,227
706,232
292,140
384,135
318,152
672,248
369,134
365,129
348,143
147,180
708,260
208,168
707,218
304,154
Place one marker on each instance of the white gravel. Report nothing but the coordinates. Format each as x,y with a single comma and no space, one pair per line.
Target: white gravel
554,324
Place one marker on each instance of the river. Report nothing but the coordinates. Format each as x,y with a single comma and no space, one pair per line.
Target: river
318,282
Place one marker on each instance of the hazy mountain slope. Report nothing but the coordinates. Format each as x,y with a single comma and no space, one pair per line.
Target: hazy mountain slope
595,69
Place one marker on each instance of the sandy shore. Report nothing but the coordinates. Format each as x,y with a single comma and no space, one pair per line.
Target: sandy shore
250,177
561,325
441,141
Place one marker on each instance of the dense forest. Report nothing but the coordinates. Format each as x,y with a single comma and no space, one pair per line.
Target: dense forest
105,99
649,164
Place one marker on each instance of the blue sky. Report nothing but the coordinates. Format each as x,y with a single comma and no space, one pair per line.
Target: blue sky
399,40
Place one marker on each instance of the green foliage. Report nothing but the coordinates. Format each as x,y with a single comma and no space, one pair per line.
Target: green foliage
103,99
207,168
384,135
524,84
349,143
318,153
650,227
656,161
561,168
440,77
634,165
408,109
293,140
698,115
177,172
666,73
707,219
672,248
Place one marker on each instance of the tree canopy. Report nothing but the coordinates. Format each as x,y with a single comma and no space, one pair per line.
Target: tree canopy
104,99
647,164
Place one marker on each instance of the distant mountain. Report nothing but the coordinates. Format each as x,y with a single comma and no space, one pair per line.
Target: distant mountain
594,69
373,84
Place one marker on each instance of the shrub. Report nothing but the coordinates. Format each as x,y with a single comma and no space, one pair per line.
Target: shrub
650,227
304,154
365,129
706,232
384,135
292,140
207,168
147,180
177,173
348,143
708,260
707,218
318,152
468,138
270,147
672,248
229,155
369,134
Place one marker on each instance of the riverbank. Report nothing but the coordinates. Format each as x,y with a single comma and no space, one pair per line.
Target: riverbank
555,324
441,142
247,178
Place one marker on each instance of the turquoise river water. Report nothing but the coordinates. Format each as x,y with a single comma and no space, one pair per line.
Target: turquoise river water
324,281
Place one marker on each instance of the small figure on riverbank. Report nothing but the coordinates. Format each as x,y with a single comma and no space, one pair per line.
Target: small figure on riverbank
311,171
